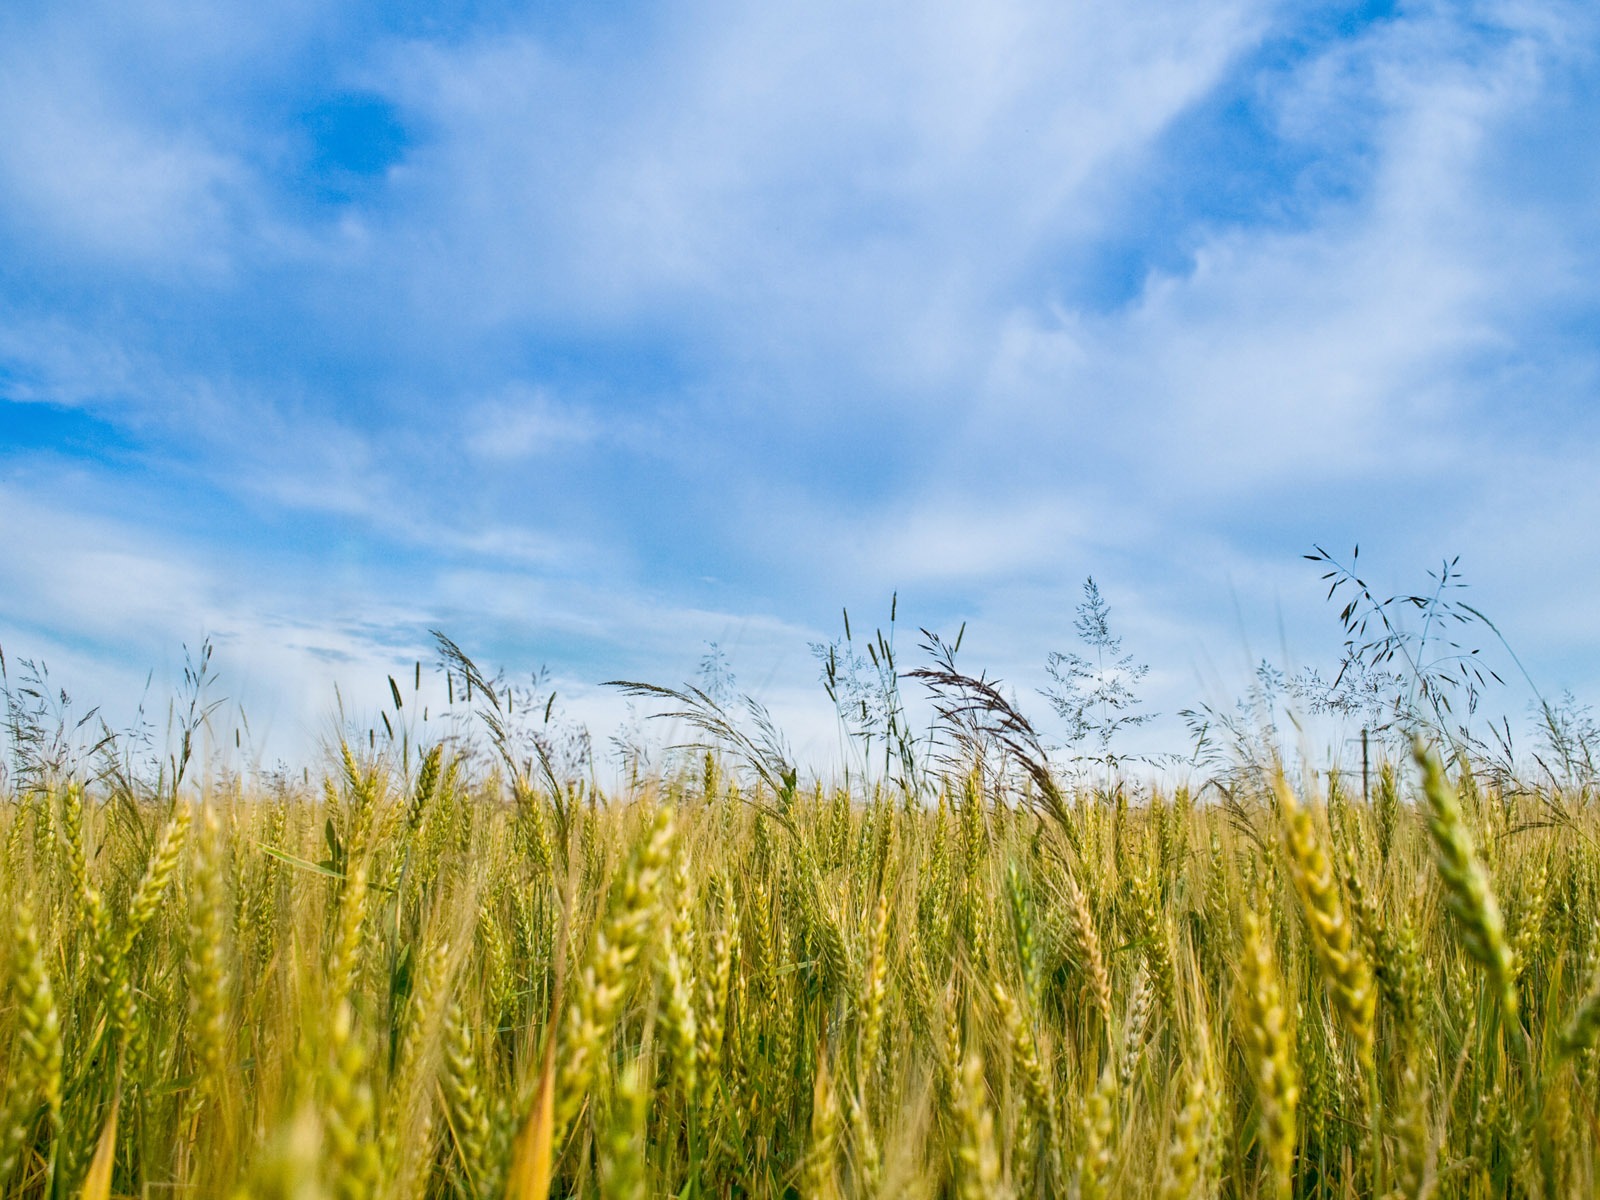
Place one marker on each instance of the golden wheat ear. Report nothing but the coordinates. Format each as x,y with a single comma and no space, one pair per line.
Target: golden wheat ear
1269,1042
1344,966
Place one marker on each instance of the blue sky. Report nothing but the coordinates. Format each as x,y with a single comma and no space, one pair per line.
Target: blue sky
596,337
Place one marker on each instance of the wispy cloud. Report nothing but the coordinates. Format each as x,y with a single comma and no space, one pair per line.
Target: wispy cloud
86,171
526,422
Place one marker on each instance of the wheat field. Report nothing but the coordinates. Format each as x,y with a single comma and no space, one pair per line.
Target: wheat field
426,979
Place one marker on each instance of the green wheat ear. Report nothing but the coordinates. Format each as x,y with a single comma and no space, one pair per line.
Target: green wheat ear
37,1077
1582,1029
601,986
1468,894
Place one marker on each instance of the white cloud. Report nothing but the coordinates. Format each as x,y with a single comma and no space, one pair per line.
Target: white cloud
1287,357
786,181
525,422
87,170
50,360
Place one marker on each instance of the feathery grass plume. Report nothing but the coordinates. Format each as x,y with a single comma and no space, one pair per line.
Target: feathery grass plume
601,985
1268,1042
37,1077
1344,968
1467,892
979,717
